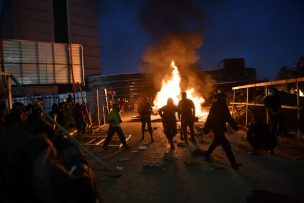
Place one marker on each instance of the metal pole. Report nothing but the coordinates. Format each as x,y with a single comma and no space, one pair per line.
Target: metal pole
107,102
247,100
104,114
298,112
266,93
9,92
233,100
97,105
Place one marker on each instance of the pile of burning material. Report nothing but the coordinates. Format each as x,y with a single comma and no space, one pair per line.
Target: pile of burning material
171,89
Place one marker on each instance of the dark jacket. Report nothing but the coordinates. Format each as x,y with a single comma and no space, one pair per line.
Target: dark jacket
144,109
186,108
168,114
218,116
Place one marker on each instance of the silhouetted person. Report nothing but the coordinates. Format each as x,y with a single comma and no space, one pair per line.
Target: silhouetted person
54,114
37,123
168,115
186,110
17,115
114,120
272,105
145,110
216,121
259,136
79,116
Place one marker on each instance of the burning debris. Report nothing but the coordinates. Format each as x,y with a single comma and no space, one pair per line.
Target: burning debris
171,89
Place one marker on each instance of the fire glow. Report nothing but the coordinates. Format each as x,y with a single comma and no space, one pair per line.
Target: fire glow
171,89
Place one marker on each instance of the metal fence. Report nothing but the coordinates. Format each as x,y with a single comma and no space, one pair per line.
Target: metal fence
248,100
49,100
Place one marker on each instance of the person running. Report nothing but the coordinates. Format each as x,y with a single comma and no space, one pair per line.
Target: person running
186,110
168,115
145,110
114,120
216,121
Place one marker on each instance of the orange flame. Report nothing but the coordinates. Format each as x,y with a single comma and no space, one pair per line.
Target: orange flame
171,89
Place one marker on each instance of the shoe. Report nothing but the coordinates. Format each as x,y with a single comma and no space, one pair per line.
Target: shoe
126,147
105,148
236,165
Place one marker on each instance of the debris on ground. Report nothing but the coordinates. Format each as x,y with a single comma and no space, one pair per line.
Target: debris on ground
143,147
168,156
181,144
124,159
153,164
190,162
120,168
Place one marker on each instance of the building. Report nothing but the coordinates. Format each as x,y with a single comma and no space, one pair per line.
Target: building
61,21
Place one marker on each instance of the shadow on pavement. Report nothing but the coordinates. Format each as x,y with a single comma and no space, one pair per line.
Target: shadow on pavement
262,196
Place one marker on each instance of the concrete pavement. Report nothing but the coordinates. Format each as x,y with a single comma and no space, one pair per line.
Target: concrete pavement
156,174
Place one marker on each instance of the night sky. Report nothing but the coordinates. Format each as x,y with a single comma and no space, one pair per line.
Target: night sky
267,34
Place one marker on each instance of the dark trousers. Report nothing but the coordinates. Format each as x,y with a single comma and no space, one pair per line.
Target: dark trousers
276,123
112,130
220,139
170,130
146,120
187,122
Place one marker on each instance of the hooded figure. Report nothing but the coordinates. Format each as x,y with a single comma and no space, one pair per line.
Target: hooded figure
168,115
216,121
186,110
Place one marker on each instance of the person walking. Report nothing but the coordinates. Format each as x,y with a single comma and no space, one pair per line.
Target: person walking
145,110
114,120
216,121
168,115
186,110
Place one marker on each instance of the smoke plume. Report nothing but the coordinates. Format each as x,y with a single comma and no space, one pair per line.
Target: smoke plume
176,26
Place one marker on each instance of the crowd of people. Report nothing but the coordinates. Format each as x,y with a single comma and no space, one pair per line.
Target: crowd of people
32,148
185,110
261,135
38,163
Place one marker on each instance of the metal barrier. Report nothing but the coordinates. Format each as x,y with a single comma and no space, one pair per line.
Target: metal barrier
249,96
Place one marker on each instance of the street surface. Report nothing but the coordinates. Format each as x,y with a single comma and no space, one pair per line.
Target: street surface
151,172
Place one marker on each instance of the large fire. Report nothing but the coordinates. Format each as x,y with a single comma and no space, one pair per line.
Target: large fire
171,89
